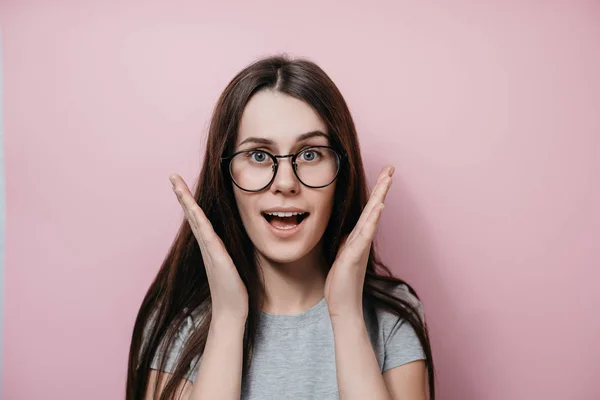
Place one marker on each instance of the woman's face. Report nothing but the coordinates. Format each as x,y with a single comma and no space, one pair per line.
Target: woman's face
274,122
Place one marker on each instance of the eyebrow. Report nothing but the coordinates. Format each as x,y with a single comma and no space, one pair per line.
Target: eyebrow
300,138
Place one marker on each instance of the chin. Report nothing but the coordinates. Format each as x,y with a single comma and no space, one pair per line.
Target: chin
282,253
282,257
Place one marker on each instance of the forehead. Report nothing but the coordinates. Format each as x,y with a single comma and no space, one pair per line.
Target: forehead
278,116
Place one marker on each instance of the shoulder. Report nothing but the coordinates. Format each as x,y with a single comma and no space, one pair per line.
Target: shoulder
385,322
403,292
393,336
406,298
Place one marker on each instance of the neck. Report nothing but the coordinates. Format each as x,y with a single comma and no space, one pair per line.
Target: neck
292,288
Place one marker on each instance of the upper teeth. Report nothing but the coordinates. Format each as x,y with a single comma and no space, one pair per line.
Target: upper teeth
284,214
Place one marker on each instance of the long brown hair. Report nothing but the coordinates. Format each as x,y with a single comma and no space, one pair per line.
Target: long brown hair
181,285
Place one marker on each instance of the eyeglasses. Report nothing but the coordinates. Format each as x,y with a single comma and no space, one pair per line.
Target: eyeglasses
255,170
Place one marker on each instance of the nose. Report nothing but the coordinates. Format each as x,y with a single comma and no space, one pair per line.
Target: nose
285,179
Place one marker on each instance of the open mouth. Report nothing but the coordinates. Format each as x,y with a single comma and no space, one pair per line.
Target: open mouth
285,220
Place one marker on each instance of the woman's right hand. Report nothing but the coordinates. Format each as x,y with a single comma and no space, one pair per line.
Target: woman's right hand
228,293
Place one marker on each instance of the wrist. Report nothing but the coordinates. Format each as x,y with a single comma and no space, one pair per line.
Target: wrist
227,325
349,320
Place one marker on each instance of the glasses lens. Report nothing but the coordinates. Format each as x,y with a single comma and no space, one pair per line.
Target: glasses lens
252,169
317,166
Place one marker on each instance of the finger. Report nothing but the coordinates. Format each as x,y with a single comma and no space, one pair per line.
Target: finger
378,196
380,190
385,171
360,245
367,233
379,193
200,224
186,200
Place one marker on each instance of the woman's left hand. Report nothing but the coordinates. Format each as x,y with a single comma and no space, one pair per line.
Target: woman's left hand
344,284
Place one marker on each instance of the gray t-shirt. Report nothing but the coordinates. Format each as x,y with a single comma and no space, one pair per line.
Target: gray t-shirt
294,355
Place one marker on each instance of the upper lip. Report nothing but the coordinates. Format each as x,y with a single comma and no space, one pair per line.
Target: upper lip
283,209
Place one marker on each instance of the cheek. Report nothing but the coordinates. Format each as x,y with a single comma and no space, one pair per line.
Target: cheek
326,205
244,205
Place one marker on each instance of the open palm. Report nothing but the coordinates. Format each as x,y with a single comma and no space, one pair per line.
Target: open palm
229,297
344,284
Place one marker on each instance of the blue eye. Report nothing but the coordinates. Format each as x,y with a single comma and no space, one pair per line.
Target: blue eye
310,155
258,156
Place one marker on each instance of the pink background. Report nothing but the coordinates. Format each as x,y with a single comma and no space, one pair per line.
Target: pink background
489,110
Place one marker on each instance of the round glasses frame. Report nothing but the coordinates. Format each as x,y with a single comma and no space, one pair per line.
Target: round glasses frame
340,158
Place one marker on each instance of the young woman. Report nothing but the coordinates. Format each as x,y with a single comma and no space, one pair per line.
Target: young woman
272,288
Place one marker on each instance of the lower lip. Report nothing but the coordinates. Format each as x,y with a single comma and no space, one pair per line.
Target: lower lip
284,233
